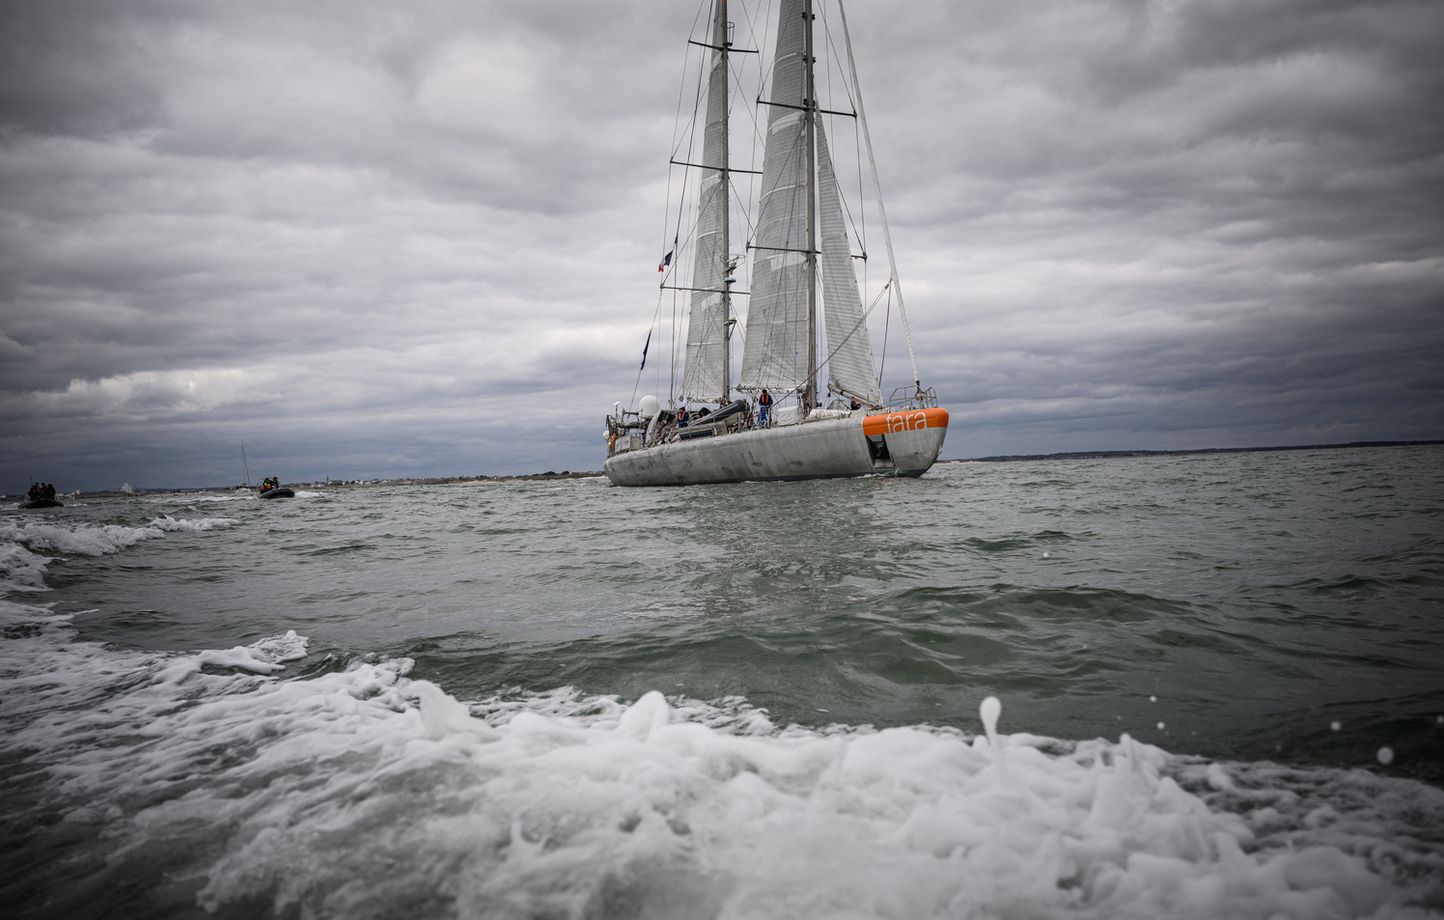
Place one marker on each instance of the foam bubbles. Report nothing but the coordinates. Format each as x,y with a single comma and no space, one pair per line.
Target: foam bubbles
20,569
98,539
264,657
175,525
545,804
271,789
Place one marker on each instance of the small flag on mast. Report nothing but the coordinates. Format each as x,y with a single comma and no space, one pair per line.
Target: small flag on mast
644,351
666,260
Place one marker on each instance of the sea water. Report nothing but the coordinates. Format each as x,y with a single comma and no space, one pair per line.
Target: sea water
1183,686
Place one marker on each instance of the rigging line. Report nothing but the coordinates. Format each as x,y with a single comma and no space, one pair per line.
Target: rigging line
857,222
677,134
854,221
755,110
743,202
886,325
678,341
881,208
641,369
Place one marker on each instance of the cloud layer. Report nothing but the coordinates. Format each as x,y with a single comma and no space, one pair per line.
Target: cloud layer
371,240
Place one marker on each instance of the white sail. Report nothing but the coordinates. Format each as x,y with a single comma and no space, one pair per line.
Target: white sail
849,347
775,355
704,377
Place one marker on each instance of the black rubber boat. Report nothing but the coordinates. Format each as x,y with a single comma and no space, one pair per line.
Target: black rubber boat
42,503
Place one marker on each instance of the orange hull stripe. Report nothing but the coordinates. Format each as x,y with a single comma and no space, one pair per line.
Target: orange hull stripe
910,420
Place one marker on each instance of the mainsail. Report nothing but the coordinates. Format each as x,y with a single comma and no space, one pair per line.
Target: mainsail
705,374
775,355
777,320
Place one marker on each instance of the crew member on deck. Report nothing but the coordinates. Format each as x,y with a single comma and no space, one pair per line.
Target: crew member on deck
682,416
764,407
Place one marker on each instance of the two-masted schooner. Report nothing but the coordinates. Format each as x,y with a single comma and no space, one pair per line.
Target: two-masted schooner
773,424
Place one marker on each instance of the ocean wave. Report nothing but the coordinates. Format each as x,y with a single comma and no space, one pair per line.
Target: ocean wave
76,539
279,792
176,525
20,569
99,539
26,548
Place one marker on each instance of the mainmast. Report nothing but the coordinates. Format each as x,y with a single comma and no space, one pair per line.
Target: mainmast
809,106
721,41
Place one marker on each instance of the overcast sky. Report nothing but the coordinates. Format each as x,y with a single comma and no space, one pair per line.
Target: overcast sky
389,239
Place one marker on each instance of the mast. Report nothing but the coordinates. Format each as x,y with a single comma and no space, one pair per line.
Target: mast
723,43
809,105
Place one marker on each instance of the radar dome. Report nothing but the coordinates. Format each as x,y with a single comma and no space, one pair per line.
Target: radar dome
650,407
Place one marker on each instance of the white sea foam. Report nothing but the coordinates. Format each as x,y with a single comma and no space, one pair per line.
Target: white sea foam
264,657
200,498
21,569
168,523
363,792
26,547
98,539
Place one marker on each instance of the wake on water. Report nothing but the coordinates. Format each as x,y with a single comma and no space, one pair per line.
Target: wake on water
259,780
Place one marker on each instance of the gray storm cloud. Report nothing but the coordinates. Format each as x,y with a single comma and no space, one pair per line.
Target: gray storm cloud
371,240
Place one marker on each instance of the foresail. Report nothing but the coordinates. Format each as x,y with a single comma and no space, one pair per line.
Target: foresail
849,347
775,355
703,378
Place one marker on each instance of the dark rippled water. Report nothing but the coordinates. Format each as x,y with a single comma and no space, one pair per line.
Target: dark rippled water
1265,621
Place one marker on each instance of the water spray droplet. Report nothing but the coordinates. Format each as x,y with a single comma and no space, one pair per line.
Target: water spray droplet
990,709
1045,554
1386,755
1334,725
1153,699
1160,726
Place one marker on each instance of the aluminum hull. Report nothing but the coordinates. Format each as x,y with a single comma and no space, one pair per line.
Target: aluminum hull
897,444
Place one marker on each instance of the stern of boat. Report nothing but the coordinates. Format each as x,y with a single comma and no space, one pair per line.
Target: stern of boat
907,440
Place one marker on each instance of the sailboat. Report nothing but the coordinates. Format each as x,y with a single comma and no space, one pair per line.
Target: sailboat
773,424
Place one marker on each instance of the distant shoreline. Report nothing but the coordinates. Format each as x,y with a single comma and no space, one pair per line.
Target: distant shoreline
588,474
1106,454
